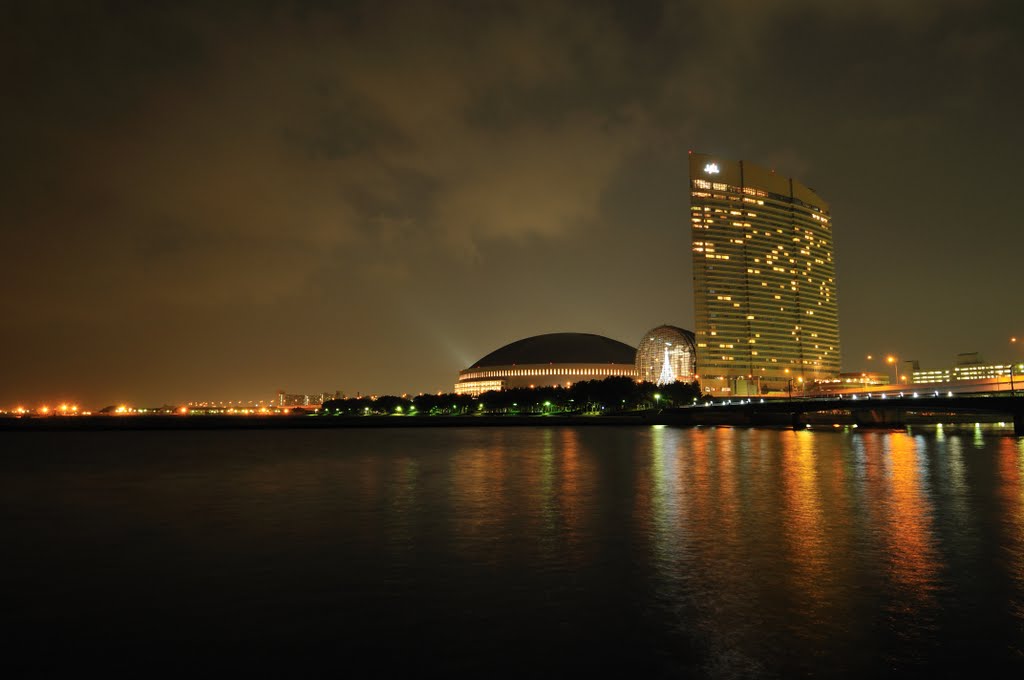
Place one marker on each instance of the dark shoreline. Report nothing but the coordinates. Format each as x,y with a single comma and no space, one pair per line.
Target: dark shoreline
216,422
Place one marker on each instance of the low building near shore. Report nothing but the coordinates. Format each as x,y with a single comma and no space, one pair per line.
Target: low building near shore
284,400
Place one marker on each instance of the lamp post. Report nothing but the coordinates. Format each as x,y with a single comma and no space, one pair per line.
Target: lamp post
895,361
1013,389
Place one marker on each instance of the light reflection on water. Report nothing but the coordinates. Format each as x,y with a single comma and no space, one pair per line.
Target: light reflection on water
1011,492
713,552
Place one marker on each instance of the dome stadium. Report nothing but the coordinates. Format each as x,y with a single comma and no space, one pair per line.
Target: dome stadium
546,360
666,354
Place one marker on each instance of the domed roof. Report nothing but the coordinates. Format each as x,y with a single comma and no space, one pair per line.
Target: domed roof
666,332
561,348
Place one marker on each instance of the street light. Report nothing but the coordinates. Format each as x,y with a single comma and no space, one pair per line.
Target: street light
1013,389
895,361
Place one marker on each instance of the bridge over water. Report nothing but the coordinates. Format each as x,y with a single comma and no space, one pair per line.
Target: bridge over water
879,411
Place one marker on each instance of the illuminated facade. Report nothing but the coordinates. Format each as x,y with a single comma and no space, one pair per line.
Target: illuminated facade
941,375
969,366
764,279
283,400
548,360
863,379
666,354
981,371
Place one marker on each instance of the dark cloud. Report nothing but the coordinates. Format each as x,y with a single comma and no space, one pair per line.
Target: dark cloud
405,186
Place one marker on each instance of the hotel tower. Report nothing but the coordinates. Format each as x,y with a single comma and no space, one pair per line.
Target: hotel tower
764,281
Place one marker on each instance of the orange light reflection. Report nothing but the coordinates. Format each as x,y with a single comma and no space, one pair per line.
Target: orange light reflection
909,534
1011,492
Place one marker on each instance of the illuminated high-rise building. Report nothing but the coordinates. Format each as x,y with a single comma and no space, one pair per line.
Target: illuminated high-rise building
764,279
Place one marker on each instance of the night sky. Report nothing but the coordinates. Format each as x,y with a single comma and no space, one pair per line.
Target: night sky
219,200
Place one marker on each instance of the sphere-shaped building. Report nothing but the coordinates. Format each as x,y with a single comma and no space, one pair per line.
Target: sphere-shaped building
550,359
666,354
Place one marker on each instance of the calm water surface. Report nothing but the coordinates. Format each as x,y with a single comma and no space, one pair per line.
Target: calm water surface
653,552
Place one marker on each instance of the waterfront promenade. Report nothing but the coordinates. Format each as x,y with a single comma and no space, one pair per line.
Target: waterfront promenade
879,412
